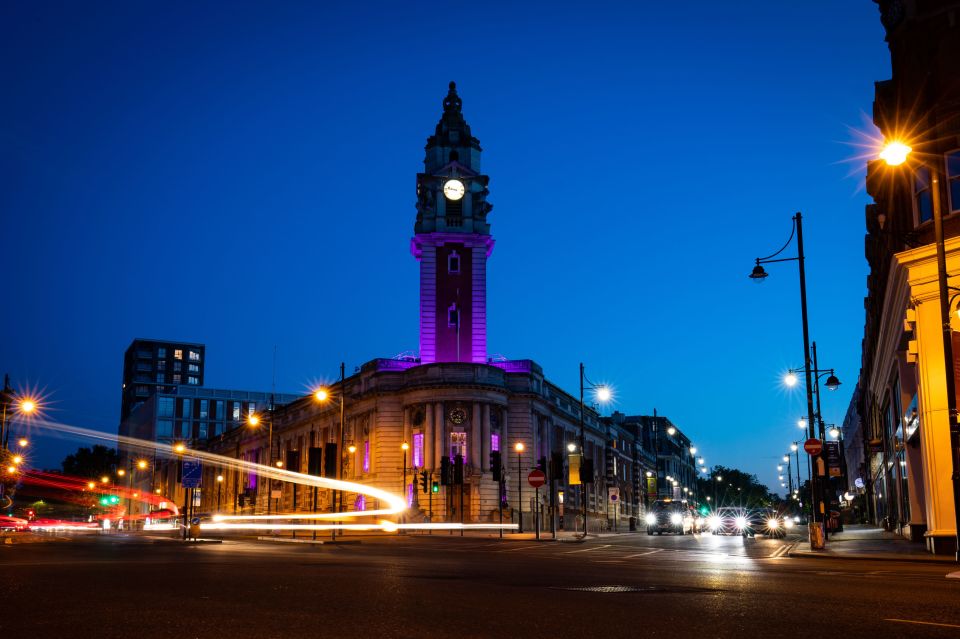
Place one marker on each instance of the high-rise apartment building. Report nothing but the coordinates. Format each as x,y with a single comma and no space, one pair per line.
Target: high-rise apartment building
151,366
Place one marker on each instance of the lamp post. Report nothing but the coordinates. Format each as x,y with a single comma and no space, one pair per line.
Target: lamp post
896,153
519,448
219,486
254,421
795,447
758,275
786,458
404,447
603,395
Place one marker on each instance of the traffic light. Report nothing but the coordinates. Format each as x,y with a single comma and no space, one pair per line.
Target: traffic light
445,475
435,487
109,500
330,459
542,464
424,482
458,470
496,465
556,466
586,471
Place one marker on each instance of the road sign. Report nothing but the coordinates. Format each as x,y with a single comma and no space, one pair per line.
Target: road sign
813,446
192,473
614,492
195,521
536,478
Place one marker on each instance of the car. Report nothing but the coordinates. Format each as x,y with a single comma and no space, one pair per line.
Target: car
771,523
14,524
749,523
667,515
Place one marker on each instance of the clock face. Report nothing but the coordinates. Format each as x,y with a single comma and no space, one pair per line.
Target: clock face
453,189
458,416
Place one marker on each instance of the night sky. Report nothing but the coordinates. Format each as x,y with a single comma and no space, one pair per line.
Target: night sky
244,177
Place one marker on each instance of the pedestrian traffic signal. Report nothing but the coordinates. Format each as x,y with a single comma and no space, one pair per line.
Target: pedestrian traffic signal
424,482
435,487
496,464
446,476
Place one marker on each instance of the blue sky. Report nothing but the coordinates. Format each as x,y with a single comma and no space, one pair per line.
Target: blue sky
244,178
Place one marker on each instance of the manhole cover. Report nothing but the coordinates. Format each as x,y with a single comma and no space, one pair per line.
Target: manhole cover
648,589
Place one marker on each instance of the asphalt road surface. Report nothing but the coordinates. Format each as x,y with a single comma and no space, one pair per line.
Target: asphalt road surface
99,587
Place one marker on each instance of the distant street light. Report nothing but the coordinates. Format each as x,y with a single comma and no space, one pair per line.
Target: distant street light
519,448
603,395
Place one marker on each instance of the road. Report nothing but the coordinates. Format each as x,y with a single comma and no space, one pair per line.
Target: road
442,586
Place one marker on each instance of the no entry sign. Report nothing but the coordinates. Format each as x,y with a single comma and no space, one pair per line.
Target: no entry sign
536,478
813,446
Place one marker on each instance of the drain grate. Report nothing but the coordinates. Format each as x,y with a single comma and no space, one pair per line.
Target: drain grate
647,589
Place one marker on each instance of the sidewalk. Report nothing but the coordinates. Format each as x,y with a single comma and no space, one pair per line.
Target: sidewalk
868,542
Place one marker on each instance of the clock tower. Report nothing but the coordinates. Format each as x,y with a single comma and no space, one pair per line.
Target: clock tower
452,242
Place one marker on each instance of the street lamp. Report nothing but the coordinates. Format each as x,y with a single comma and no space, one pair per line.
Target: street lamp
519,448
321,395
603,395
254,421
404,447
758,275
219,486
22,442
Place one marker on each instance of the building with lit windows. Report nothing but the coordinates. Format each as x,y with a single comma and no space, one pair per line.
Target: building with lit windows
902,404
151,365
451,403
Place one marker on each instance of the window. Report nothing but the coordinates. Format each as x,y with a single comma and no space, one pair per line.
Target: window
177,366
458,445
143,391
218,410
194,356
193,368
161,352
453,262
953,179
204,408
453,316
185,430
162,365
165,407
418,450
165,428
495,441
176,378
236,411
922,197
161,378
185,409
202,432
193,380
366,456
178,354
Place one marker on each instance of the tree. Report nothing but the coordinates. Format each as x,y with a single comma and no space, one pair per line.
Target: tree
91,462
737,488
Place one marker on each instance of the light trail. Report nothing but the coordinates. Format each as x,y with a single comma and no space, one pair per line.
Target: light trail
395,503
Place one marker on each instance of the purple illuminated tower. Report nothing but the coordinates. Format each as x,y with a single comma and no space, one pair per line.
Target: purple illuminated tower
452,242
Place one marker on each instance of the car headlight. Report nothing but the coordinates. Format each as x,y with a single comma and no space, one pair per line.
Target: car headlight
651,519
788,523
675,518
740,522
713,522
773,524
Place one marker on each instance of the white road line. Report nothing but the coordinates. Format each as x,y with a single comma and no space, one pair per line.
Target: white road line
953,575
925,623
644,554
525,548
570,552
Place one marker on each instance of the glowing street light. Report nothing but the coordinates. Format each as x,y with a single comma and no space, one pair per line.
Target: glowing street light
604,394
791,379
835,432
693,450
786,458
179,447
802,423
321,395
253,420
104,479
895,153
28,406
121,472
22,442
91,485
671,431
571,447
351,449
142,464
793,447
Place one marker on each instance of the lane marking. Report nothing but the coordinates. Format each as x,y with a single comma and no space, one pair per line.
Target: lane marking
524,548
925,623
953,575
570,552
644,554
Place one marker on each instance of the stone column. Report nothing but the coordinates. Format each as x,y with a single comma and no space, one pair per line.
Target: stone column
428,458
439,447
475,453
485,438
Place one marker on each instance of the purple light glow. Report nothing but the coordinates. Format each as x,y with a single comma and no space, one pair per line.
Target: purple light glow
366,456
418,450
495,441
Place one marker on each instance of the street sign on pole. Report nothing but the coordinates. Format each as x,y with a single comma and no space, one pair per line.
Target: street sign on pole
536,478
813,446
192,473
614,492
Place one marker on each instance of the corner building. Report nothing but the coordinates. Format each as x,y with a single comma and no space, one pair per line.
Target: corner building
904,466
451,401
